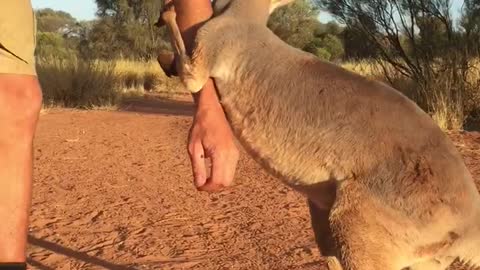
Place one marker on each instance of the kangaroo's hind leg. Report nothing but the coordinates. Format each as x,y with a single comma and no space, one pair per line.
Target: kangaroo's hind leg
323,235
368,234
321,229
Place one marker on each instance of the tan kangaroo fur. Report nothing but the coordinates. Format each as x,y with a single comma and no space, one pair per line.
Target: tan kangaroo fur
387,189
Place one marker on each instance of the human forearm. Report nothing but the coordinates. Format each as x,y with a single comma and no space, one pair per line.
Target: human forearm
190,16
210,135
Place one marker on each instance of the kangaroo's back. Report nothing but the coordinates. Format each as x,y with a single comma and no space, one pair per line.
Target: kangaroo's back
261,77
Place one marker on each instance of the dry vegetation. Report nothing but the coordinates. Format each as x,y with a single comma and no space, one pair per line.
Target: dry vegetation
78,83
449,110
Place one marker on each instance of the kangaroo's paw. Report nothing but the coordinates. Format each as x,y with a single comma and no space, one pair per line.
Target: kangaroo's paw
188,75
166,60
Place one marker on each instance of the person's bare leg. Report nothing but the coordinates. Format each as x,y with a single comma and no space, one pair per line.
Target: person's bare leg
20,103
210,135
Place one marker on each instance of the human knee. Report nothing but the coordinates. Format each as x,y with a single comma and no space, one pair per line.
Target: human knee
20,104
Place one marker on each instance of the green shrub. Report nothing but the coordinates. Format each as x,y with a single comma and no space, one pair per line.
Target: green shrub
334,46
328,48
52,44
323,54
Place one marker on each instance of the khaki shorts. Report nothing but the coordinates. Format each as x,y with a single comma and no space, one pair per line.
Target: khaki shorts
17,37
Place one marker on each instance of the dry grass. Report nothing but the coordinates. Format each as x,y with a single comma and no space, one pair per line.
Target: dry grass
91,84
364,67
143,76
449,110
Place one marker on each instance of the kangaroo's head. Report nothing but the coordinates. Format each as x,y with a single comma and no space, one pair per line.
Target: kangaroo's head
254,10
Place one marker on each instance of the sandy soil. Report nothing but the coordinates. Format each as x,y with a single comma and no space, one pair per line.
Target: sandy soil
113,190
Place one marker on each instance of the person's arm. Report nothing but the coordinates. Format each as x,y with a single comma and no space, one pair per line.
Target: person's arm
210,135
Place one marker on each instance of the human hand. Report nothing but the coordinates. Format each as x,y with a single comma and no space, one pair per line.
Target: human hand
211,137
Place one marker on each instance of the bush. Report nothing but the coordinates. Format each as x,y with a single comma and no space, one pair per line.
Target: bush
334,46
323,54
328,48
52,45
77,83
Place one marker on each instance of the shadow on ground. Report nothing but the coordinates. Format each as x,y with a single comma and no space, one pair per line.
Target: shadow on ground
472,126
77,255
158,105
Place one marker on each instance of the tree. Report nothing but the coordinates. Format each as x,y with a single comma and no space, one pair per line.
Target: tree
49,20
376,21
334,46
327,47
126,29
471,24
355,46
51,44
58,34
415,37
296,23
333,28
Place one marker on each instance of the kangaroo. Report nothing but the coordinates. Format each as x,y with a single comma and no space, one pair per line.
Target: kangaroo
387,189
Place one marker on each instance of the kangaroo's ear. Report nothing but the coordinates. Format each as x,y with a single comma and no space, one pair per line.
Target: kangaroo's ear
278,3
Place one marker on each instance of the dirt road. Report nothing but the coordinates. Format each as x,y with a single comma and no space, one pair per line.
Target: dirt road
113,190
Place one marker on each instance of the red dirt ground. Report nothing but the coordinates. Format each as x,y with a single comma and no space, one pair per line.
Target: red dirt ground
113,190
